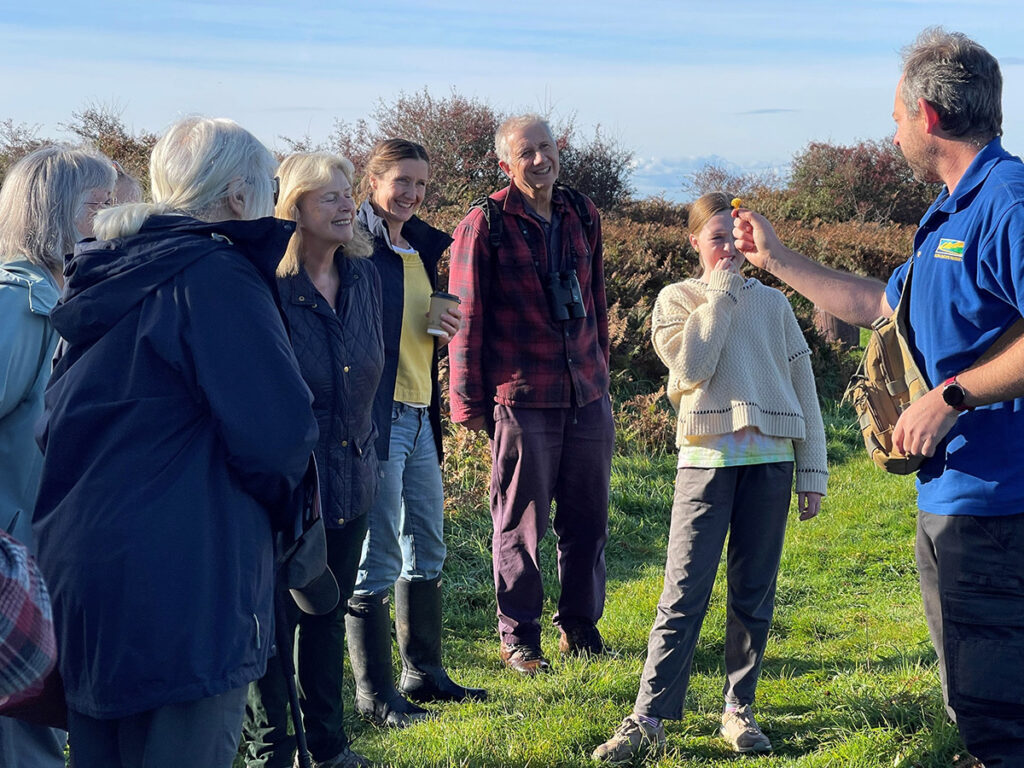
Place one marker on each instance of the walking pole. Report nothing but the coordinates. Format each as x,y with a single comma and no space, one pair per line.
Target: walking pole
285,647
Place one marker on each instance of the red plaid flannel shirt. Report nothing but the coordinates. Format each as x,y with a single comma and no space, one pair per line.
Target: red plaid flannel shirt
27,645
509,350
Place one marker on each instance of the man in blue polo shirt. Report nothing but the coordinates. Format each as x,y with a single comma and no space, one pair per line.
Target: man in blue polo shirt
968,287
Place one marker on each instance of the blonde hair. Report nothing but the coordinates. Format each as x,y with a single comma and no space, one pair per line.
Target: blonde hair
510,126
704,207
194,169
299,174
701,211
42,196
384,156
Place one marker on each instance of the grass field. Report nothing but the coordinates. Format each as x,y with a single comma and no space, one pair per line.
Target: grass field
849,678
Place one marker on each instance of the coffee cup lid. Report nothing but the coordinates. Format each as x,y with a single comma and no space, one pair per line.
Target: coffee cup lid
445,295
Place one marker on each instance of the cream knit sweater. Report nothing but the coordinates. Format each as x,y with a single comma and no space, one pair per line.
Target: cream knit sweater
736,358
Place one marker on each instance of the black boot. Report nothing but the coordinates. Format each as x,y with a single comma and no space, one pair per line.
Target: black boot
368,626
418,625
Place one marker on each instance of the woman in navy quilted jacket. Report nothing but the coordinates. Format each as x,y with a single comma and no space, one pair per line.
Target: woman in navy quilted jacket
330,293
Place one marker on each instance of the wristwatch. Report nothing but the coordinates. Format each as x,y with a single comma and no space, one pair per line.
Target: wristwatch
954,395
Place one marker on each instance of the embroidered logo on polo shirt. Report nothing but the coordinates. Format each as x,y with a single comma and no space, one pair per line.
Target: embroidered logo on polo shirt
950,249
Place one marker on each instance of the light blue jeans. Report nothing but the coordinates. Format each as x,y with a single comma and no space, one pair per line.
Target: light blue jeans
405,537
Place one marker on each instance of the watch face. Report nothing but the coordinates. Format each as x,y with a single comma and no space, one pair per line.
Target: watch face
953,394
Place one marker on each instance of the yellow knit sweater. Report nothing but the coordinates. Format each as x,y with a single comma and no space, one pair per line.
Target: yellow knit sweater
736,358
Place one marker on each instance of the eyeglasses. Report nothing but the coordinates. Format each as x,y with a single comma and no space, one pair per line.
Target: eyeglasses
97,205
275,185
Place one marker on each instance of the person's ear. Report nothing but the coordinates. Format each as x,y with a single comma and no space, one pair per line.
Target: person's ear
932,122
505,168
693,243
236,198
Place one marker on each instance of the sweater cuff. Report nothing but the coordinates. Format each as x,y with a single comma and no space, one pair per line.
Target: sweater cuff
728,282
811,481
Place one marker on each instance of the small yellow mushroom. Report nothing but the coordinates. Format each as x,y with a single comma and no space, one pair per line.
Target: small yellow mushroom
736,202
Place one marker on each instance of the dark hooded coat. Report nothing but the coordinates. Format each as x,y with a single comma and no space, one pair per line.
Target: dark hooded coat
176,429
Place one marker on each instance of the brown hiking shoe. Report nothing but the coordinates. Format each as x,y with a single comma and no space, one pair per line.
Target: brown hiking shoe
524,659
582,640
632,739
741,730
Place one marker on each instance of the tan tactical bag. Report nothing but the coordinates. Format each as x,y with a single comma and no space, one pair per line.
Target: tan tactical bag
887,381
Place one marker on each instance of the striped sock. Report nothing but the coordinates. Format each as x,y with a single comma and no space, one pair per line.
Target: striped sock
650,722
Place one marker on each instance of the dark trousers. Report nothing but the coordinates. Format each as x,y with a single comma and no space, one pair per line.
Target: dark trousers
203,732
972,584
750,503
319,664
542,455
25,745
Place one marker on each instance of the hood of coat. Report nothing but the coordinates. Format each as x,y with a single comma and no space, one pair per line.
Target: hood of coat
42,288
105,279
425,238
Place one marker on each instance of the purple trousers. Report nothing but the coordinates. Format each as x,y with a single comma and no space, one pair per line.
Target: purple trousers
542,455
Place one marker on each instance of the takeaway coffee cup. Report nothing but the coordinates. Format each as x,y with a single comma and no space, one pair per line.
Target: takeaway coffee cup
439,302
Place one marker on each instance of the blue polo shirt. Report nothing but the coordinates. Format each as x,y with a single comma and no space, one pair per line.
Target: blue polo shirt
968,287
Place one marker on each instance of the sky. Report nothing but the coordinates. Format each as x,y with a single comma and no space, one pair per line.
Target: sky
743,83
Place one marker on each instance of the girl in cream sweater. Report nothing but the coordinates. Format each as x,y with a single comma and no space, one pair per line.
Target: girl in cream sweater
740,380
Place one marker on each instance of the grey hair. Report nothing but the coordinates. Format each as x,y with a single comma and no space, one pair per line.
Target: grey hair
510,126
194,169
960,79
304,172
42,196
127,188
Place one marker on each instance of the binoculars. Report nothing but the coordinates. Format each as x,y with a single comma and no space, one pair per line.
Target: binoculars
565,299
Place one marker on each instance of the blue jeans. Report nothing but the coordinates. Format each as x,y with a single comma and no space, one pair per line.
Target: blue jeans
405,538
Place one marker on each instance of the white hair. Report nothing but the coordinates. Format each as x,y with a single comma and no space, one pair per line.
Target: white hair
194,169
510,126
42,195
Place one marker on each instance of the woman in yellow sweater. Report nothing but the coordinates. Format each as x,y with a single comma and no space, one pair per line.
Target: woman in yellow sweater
740,380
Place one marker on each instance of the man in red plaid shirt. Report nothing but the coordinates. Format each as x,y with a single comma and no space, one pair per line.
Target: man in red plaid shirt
530,365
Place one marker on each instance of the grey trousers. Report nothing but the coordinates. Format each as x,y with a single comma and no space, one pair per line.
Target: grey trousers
972,584
200,734
751,504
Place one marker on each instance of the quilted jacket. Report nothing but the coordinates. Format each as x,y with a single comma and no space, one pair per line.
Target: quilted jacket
430,243
341,355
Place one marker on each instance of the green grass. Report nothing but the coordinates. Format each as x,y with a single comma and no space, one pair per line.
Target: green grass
849,679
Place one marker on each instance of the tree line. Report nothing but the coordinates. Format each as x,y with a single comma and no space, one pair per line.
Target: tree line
853,207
